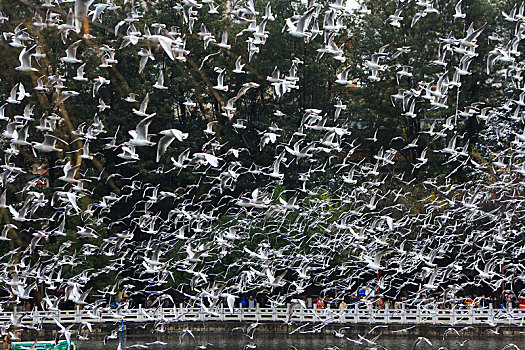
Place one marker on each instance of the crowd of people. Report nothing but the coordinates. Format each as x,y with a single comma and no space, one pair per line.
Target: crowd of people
375,301
363,302
378,302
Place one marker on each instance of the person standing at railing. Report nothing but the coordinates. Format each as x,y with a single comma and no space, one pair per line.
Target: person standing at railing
342,305
251,302
6,343
320,304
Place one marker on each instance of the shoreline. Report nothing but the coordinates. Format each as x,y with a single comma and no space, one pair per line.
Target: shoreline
202,329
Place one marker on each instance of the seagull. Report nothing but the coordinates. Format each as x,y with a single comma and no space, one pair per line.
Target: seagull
128,153
342,78
220,80
131,98
375,263
69,174
71,53
165,42
25,60
458,13
189,104
140,136
141,112
224,40
81,11
160,82
238,66
167,139
183,333
80,74
274,281
420,340
48,145
208,158
268,12
97,13
181,160
98,83
5,230
298,29
395,19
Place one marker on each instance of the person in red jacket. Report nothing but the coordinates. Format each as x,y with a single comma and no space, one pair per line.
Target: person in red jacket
320,304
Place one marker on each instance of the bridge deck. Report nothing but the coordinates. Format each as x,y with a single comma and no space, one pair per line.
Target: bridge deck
483,316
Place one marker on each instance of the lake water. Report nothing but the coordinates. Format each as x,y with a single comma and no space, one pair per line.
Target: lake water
299,342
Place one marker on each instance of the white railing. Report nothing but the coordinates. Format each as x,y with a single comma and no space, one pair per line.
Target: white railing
420,315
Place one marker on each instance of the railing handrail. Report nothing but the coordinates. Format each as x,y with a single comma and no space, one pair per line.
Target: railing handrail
419,315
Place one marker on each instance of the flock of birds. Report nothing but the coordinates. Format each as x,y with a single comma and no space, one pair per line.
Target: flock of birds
362,227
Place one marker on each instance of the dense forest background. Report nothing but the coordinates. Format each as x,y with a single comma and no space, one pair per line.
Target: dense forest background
419,164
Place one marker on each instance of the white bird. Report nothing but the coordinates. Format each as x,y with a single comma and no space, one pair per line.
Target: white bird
98,83
208,158
25,60
48,145
274,281
220,80
268,12
342,78
238,66
299,28
167,139
180,162
20,136
140,136
375,263
160,82
19,215
224,40
71,53
165,42
5,231
458,13
97,12
128,153
141,112
395,19
81,11
69,174
63,330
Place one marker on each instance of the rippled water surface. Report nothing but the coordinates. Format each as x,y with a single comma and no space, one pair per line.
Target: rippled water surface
266,342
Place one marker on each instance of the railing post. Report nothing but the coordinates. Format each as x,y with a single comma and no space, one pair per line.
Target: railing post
418,314
201,314
77,314
221,314
140,316
35,315
403,314
510,313
257,312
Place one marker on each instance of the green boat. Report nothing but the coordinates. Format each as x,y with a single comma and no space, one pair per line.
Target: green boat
43,345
